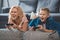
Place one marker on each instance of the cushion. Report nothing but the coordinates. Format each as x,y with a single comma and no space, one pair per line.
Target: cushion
28,5
51,4
6,34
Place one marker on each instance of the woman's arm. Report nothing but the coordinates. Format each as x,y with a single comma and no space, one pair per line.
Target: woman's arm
24,24
11,22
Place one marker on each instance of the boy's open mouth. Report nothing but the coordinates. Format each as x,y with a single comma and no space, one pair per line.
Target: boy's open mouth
42,18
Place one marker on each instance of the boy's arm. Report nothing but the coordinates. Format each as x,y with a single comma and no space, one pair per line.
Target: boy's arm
46,30
31,23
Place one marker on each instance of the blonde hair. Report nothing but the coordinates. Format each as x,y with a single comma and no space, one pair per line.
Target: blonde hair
19,11
45,9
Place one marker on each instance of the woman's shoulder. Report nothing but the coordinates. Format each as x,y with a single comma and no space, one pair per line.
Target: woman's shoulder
25,18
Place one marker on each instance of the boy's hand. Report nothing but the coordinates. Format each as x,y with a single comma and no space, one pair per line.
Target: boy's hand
40,27
44,29
31,28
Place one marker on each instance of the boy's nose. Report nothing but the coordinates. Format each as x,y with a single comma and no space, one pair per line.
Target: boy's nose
41,15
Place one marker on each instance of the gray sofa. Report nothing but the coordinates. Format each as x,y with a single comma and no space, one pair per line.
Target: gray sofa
28,6
6,34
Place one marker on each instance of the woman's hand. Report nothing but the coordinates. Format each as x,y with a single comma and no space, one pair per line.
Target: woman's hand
20,26
14,26
8,26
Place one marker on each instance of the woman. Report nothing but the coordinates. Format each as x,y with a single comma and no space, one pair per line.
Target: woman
17,18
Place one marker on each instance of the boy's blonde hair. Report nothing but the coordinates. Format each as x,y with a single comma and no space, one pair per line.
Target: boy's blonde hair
45,9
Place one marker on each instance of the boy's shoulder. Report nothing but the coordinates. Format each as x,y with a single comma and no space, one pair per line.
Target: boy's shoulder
50,19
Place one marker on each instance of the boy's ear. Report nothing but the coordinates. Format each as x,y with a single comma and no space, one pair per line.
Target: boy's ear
48,15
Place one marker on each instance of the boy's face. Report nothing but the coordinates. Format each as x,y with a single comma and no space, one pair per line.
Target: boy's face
43,14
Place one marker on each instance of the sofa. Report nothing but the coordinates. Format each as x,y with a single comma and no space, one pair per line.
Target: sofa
28,6
6,34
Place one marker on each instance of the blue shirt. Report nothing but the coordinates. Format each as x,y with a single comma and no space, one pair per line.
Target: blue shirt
51,24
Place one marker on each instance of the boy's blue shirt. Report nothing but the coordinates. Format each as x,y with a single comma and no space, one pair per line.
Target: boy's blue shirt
51,24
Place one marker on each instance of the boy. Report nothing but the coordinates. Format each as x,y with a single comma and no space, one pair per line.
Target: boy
44,22
46,25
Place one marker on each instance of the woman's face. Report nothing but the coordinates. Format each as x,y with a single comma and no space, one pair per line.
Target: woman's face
14,13
43,15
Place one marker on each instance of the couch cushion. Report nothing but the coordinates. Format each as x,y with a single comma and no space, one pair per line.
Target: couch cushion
6,34
51,4
39,35
7,4
3,21
28,5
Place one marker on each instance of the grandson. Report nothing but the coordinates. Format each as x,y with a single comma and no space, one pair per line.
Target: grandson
44,22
